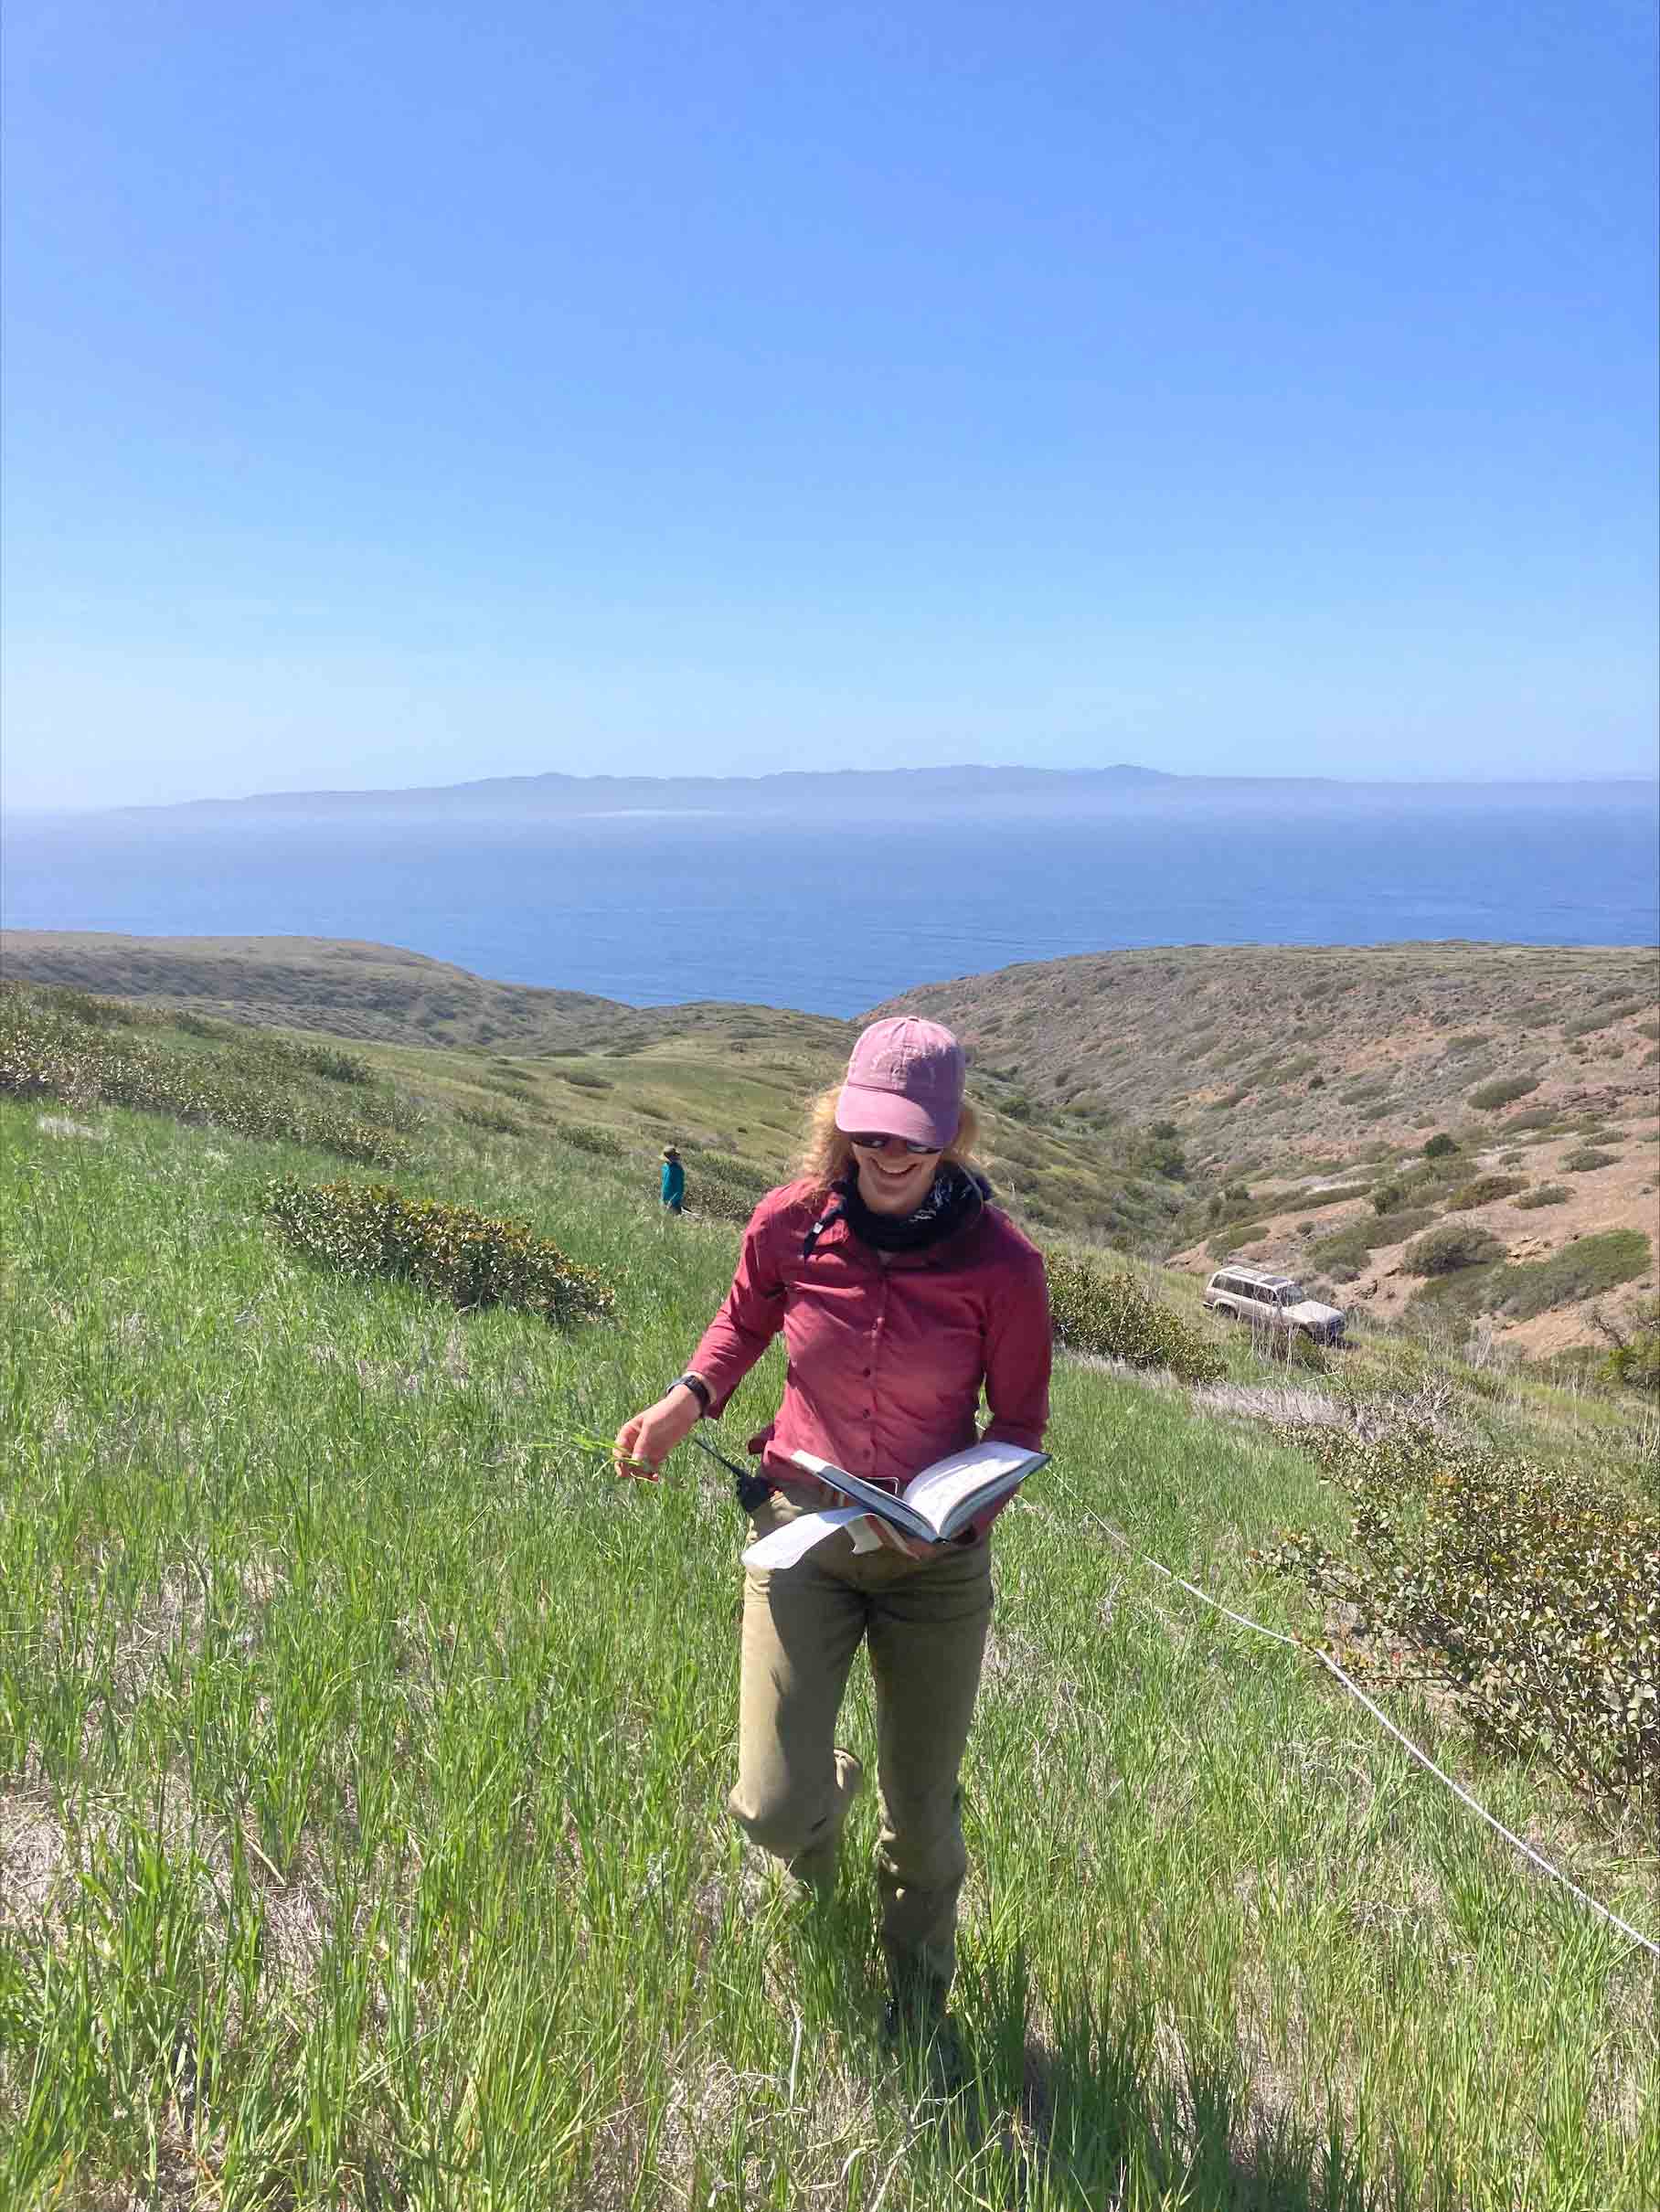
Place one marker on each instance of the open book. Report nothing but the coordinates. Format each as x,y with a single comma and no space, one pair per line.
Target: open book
933,1507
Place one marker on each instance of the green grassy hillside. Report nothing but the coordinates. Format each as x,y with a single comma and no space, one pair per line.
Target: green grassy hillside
363,1745
1196,1104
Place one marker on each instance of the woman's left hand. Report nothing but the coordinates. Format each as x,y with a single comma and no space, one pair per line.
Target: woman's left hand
894,1539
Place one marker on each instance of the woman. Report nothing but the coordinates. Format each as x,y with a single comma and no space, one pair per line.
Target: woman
901,1292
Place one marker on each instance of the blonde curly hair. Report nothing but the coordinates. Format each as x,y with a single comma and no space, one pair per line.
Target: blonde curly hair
826,1153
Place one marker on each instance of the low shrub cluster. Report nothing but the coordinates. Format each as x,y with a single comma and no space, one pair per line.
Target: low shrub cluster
1518,1290
1544,1194
1590,1024
1426,1178
604,1143
1531,1117
1345,1253
305,1058
1633,1361
1347,1249
1533,1595
1580,1270
1483,1190
49,1050
369,1229
1586,1159
1490,1096
723,1188
1455,1244
494,1120
1111,1316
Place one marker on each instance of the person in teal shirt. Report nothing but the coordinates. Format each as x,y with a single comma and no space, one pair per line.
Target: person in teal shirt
674,1181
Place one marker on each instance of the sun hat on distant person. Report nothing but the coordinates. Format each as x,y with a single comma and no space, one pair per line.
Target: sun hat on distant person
905,1079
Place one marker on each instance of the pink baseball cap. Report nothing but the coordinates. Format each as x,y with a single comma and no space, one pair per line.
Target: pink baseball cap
905,1079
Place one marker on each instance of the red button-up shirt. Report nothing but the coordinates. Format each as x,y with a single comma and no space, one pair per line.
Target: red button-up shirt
888,1351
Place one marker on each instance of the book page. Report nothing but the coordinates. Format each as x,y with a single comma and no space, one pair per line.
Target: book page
967,1479
796,1538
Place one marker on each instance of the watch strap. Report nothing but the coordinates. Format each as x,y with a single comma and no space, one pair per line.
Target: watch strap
699,1389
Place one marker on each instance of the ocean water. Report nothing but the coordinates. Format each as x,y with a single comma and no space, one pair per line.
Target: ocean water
835,912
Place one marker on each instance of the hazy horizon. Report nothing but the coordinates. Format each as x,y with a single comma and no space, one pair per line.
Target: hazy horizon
1164,781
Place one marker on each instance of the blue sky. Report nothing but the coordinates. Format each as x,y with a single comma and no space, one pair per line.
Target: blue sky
401,394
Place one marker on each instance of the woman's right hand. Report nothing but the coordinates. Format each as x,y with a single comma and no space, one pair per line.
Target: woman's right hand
650,1437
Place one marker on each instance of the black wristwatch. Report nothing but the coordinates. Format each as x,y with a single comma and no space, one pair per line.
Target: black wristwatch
698,1386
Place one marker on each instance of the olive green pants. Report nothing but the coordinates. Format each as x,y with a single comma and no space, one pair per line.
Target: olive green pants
924,1624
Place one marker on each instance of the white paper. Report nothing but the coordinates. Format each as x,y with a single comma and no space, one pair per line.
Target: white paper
941,1487
797,1537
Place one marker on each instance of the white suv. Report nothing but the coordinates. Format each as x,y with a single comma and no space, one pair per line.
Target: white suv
1273,1302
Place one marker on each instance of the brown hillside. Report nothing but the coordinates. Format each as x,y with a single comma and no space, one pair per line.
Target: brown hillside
1278,1055
1302,1080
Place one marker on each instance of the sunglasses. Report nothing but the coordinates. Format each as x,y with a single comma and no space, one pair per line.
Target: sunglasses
874,1141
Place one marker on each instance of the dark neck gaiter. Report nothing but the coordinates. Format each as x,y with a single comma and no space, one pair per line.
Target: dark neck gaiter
958,1198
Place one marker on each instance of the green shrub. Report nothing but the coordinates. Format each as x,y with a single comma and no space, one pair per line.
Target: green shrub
1586,1159
1530,1593
1113,1317
723,1188
1531,1117
1580,1270
1457,1244
1395,1229
107,1013
1634,1362
1590,1023
369,1229
245,1088
583,1081
1547,1193
1483,1191
1346,1251
1390,1197
1439,1147
1490,1096
491,1119
604,1143
332,1061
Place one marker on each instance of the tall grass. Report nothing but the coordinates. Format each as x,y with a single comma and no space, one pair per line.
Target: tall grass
365,1748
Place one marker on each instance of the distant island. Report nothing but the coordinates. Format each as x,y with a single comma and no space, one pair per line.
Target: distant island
799,792
794,791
